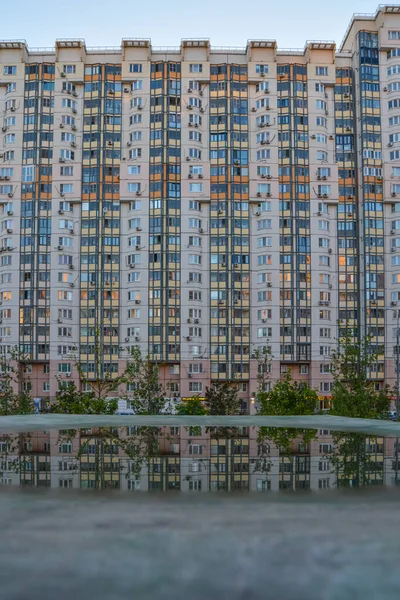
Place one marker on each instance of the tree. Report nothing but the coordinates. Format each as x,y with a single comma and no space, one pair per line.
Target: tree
147,396
193,407
15,396
287,397
222,399
354,393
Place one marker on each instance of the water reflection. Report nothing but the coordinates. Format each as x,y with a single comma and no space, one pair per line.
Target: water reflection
197,459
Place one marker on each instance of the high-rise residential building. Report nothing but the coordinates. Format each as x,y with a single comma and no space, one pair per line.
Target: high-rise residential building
201,203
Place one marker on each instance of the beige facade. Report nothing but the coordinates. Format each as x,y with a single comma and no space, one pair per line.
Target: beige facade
202,203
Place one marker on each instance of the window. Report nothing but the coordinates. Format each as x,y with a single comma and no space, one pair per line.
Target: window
196,187
394,35
69,69
195,386
195,68
136,68
10,70
261,69
9,138
321,71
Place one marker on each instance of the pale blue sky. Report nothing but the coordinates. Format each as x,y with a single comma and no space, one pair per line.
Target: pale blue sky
225,22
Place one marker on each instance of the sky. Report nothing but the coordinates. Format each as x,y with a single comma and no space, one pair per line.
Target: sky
166,22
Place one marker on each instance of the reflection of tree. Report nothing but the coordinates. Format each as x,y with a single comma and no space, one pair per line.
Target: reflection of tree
354,459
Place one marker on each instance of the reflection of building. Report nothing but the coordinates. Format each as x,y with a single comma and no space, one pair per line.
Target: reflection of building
195,459
201,204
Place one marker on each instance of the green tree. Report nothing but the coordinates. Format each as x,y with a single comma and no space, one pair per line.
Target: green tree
15,385
222,399
354,393
147,396
193,406
289,398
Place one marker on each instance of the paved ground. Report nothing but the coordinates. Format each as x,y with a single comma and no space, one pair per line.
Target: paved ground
86,545
40,422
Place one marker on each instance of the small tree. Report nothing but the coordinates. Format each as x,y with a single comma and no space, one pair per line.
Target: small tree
289,398
15,395
222,399
147,396
193,407
353,393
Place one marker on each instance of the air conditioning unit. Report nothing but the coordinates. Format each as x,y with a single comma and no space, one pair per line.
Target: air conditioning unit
197,321
62,74
220,301
190,375
59,320
392,231
71,231
188,338
137,338
329,250
189,90
262,74
189,107
73,144
61,159
73,127
384,89
269,284
61,125
74,111
220,212
139,107
61,212
253,109
138,193
324,178
126,90
393,248
190,176
200,92
62,194
129,143
393,194
138,229
10,213
10,195
4,129
188,158
9,230
236,266
196,125
60,247
71,267
319,213
258,194
268,194
137,247
72,285
13,109
201,230
131,265
137,301
394,303
200,176
107,283
202,110
257,213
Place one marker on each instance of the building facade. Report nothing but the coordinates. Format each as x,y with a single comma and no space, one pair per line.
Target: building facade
201,203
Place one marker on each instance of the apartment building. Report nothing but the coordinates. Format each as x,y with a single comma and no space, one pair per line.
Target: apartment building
201,203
